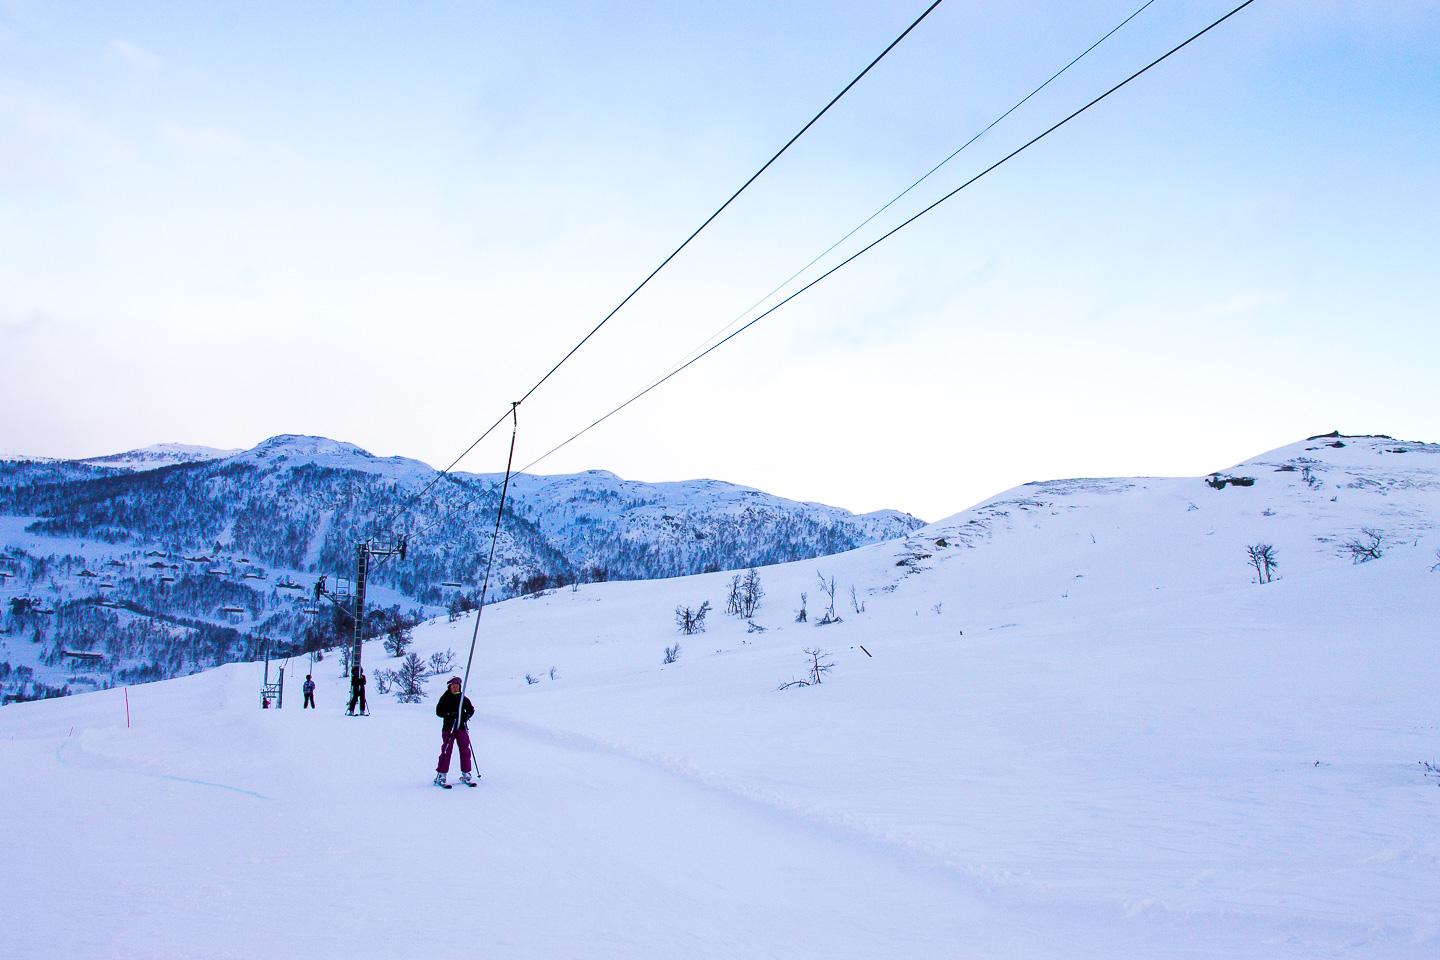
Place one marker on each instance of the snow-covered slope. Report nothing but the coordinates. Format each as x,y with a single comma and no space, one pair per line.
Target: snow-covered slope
1067,723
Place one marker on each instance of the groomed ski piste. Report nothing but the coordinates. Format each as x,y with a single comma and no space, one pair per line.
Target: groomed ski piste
1069,722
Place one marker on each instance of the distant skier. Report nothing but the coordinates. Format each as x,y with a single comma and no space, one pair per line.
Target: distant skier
357,692
309,687
453,730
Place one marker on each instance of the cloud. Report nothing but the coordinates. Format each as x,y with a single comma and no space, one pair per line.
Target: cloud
132,56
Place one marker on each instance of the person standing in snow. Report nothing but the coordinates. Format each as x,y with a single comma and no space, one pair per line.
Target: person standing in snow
309,687
454,711
357,692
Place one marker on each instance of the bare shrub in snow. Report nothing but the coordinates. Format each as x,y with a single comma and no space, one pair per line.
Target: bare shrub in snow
817,668
1262,558
800,615
856,603
672,653
531,679
1370,545
554,674
1437,562
732,599
442,662
691,621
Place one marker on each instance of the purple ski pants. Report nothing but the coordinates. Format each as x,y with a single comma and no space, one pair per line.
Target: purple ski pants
447,744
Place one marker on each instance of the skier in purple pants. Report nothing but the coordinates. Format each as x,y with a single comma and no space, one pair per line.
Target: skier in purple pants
452,731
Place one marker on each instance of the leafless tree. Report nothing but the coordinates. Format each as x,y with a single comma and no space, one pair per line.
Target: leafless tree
732,599
1262,558
410,679
672,653
751,593
690,620
827,587
856,603
397,638
1437,562
1370,545
817,668
801,615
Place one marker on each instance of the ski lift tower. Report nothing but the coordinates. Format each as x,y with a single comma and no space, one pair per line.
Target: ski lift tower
366,551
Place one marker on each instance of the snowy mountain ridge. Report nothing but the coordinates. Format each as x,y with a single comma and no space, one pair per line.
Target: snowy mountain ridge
158,455
180,565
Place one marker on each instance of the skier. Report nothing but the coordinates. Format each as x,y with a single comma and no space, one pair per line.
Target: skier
309,687
452,730
357,692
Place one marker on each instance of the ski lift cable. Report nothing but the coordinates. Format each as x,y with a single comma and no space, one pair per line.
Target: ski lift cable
903,193
887,235
859,253
664,263
691,356
753,177
489,563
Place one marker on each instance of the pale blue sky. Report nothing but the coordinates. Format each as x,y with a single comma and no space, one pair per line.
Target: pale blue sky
216,219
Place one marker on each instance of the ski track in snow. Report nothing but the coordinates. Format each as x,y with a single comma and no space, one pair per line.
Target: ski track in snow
90,759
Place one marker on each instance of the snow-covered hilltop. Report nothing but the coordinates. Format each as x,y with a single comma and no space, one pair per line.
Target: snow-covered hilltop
159,455
1072,721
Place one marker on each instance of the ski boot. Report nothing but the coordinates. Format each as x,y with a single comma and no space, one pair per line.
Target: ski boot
440,781
466,779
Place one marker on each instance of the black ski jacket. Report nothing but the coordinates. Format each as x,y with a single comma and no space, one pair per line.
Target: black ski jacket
446,708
